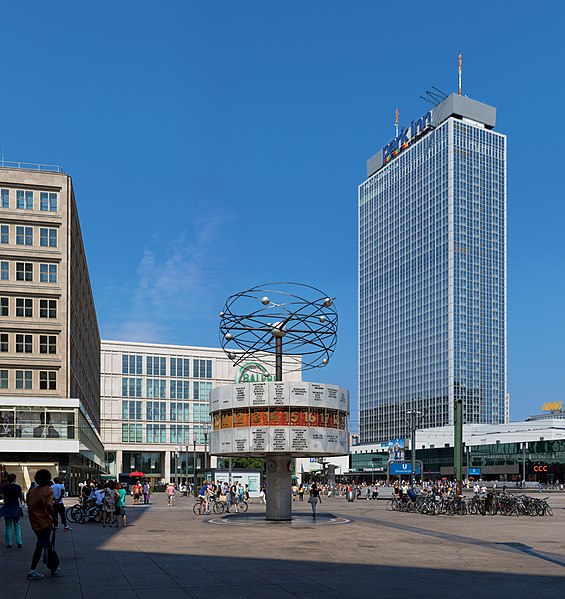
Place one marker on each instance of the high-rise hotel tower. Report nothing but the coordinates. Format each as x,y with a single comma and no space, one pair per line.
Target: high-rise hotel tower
432,273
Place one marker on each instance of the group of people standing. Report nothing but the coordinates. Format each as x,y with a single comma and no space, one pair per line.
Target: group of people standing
110,497
43,500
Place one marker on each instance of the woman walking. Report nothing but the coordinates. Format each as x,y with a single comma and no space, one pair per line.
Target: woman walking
109,504
314,498
11,510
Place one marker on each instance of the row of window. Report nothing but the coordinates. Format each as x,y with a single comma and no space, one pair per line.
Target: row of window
157,433
157,410
25,199
27,379
24,344
157,366
24,307
178,389
25,271
24,236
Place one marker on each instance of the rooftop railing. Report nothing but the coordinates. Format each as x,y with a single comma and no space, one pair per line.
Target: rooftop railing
30,166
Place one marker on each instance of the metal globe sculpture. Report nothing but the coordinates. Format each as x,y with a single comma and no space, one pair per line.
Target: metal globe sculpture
277,419
264,318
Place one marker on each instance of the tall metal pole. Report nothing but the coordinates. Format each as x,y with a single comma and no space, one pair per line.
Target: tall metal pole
413,446
205,453
278,359
186,472
458,443
194,467
524,446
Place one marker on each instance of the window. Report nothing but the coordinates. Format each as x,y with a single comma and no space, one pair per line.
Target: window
23,379
4,342
3,379
4,306
4,198
24,199
131,387
24,271
180,367
131,364
47,344
179,434
157,388
4,271
179,389
202,390
4,234
131,410
131,433
48,202
24,307
156,365
24,235
156,433
201,411
156,410
47,237
24,344
200,434
47,273
47,308
202,369
48,380
179,411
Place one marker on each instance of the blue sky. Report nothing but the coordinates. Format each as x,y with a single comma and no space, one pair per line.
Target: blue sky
218,145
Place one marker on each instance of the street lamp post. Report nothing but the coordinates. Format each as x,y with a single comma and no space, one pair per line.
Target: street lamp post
524,447
413,414
194,466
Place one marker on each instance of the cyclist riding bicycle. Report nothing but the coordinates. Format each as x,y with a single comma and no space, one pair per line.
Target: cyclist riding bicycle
203,495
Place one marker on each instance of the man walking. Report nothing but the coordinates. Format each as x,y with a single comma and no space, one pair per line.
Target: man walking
58,489
41,517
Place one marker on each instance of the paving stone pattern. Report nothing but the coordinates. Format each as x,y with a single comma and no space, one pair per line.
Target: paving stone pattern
169,551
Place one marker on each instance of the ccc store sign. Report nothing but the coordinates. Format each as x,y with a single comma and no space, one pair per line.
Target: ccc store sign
540,468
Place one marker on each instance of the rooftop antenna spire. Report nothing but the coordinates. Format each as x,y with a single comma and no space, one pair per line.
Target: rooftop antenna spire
460,69
396,122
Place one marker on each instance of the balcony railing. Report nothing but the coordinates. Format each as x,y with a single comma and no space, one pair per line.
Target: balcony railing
30,166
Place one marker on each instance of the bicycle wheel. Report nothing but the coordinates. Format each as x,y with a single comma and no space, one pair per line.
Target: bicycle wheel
219,507
548,510
74,513
97,516
242,507
199,509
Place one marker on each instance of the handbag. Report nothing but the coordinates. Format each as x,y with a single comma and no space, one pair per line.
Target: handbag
310,499
50,557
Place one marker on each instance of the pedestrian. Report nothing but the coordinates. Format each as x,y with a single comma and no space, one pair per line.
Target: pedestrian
41,518
58,489
121,506
301,492
109,504
146,494
11,510
170,493
262,495
137,490
314,498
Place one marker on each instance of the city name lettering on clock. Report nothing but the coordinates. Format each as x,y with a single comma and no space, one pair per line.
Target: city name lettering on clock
407,136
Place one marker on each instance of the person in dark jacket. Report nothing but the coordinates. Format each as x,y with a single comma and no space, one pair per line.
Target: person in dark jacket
11,510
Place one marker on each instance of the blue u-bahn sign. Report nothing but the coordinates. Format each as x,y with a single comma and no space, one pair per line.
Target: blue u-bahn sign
402,468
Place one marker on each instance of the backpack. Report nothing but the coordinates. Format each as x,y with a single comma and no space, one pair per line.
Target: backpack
50,557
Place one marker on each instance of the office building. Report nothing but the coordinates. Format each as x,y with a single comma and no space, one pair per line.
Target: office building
432,273
49,339
155,405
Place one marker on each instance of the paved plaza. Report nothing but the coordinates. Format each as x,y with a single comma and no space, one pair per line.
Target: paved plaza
169,551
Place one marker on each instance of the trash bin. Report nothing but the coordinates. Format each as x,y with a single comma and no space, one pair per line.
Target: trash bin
350,495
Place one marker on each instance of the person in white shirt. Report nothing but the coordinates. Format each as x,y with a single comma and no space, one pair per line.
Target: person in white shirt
58,489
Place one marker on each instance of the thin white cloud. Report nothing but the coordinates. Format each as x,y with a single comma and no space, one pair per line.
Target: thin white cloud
176,285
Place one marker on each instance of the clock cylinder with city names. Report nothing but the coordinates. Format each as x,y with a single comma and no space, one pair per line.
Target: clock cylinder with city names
263,418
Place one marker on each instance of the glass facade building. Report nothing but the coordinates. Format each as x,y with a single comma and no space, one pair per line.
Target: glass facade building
432,274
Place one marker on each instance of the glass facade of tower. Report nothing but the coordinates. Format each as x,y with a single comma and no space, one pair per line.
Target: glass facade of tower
432,282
